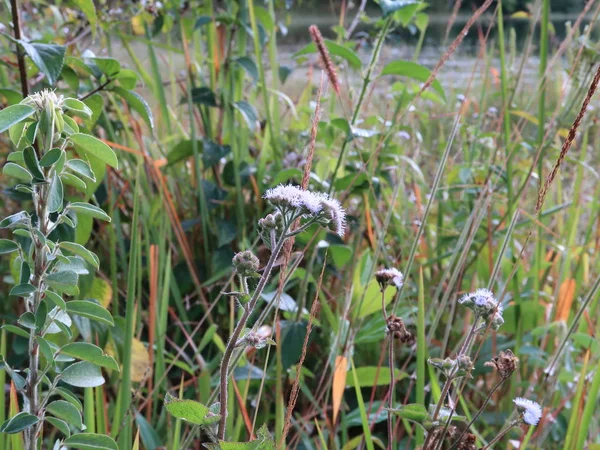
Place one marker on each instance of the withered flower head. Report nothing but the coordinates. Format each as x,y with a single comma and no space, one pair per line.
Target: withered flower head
505,363
388,277
396,327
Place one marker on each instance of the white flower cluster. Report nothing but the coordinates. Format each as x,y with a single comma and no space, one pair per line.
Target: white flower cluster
317,205
483,303
531,411
40,99
386,277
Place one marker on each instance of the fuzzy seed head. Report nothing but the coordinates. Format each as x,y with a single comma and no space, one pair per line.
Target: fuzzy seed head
531,411
388,277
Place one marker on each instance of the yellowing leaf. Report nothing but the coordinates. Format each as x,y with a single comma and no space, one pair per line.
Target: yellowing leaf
101,290
137,24
339,384
140,360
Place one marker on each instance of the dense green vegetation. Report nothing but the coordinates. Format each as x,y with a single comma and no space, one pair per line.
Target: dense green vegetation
151,266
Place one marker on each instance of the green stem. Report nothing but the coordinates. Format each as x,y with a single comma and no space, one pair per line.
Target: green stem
361,98
502,434
231,343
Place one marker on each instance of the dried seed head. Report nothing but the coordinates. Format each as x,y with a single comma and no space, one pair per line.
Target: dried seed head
317,37
530,410
246,263
505,363
388,277
395,326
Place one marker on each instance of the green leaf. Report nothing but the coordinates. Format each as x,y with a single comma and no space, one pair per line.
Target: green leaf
87,7
31,161
12,115
14,170
139,105
93,146
58,321
17,220
66,411
71,126
412,70
73,180
335,49
63,281
8,246
390,6
27,320
18,423
413,412
15,330
107,66
59,424
55,194
190,411
51,157
82,374
248,113
204,96
82,168
249,66
89,210
49,58
56,299
45,348
77,107
90,353
91,310
22,290
81,251
366,376
91,441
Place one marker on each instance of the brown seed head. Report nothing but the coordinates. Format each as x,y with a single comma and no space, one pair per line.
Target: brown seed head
505,363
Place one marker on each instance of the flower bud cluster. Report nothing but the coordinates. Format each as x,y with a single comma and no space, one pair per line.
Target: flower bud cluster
483,303
453,367
246,264
395,326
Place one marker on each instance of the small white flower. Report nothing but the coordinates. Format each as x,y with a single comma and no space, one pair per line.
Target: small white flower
532,411
391,276
40,99
333,211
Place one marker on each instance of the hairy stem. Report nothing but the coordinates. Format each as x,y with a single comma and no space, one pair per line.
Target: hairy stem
231,343
390,419
502,433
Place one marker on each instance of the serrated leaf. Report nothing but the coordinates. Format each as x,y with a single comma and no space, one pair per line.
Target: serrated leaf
12,115
90,353
95,147
190,411
49,58
82,374
91,441
90,310
18,423
139,105
66,411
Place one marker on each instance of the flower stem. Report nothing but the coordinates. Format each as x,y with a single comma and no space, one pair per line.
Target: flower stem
502,433
224,371
391,394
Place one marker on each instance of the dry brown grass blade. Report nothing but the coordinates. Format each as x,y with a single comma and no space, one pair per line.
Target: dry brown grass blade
296,386
566,294
569,141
